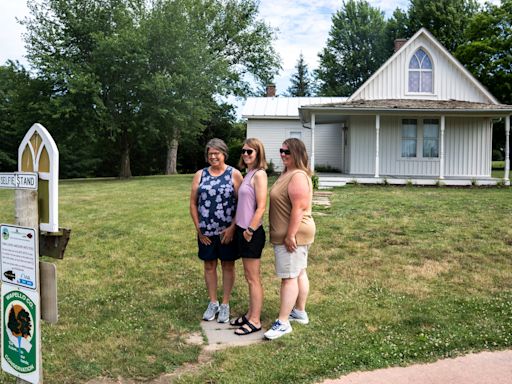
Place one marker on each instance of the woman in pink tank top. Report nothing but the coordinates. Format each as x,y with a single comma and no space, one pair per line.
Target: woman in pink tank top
252,201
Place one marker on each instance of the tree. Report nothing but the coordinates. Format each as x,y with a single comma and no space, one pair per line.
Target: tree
301,81
445,19
355,49
201,49
23,101
397,27
95,57
487,54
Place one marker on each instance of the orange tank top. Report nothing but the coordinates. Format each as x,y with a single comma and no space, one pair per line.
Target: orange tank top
280,210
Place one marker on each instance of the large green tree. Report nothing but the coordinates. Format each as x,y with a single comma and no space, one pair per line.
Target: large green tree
200,51
445,19
355,49
96,58
301,82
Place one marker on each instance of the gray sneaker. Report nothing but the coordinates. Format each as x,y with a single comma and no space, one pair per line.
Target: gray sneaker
223,313
300,317
211,311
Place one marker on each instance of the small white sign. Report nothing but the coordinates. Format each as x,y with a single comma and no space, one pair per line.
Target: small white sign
18,256
18,180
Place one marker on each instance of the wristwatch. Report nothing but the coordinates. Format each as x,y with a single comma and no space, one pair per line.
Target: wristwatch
251,230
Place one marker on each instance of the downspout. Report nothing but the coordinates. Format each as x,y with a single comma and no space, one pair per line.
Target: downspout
441,149
507,150
312,162
377,129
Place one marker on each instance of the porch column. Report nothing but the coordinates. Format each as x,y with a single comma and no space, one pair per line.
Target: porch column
507,149
377,129
312,161
441,149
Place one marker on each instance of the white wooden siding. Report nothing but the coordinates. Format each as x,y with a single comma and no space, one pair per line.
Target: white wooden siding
328,145
450,82
391,161
273,133
468,147
362,145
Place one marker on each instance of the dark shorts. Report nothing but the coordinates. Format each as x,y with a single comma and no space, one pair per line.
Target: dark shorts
216,250
250,249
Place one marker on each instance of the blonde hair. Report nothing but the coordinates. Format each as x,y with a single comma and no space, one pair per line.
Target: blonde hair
299,154
257,145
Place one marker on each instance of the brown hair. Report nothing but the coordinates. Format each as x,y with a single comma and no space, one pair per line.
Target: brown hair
257,145
299,154
217,144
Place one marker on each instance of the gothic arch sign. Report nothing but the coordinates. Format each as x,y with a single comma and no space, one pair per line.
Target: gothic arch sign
38,153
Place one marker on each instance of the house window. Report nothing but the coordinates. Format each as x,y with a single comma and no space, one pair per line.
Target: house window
296,135
409,137
430,138
420,73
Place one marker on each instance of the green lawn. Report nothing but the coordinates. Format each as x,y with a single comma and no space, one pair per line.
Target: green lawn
398,275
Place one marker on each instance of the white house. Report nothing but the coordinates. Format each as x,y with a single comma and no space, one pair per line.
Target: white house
420,118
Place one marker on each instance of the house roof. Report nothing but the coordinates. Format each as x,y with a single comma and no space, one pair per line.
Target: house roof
282,107
448,56
331,112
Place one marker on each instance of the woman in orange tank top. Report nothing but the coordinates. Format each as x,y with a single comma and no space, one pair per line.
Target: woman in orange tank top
292,231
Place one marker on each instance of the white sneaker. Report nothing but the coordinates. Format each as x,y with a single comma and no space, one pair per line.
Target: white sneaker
300,317
278,329
223,316
211,311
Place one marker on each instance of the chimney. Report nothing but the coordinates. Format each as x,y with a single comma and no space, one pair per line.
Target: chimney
399,43
271,90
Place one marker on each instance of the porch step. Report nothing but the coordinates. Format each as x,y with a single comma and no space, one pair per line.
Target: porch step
330,182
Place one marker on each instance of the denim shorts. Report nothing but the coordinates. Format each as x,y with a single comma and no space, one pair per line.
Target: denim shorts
250,249
216,250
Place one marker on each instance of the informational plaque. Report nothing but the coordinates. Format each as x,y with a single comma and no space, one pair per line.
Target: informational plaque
18,256
18,180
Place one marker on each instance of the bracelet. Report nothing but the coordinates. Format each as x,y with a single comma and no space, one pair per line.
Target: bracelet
251,230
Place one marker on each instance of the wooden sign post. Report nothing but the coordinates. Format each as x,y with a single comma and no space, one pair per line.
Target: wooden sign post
29,287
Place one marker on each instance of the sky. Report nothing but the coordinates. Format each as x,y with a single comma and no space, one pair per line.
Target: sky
302,27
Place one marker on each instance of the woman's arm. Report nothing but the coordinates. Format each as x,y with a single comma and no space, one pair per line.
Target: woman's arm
193,208
299,193
259,182
228,234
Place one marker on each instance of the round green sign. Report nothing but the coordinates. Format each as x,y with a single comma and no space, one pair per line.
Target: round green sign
19,332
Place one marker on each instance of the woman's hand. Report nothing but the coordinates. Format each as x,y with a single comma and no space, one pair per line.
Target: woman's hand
247,236
205,240
290,243
226,236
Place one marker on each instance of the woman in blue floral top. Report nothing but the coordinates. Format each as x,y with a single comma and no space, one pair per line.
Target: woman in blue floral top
213,208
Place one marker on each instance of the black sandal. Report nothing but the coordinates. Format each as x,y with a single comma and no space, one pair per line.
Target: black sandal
239,321
247,331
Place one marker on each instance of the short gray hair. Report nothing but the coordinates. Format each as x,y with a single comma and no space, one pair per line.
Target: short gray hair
217,144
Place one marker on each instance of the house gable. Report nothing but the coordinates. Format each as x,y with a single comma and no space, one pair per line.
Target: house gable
450,80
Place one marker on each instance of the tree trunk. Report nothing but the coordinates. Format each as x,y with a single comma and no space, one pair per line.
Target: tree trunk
172,156
126,171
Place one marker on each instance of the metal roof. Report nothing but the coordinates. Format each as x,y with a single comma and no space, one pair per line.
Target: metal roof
282,107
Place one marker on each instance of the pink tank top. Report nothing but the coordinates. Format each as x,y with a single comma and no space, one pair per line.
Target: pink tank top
246,205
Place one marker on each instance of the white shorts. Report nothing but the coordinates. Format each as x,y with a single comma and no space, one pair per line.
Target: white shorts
289,265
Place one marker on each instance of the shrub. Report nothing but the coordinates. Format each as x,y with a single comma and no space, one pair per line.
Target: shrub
326,168
314,179
497,155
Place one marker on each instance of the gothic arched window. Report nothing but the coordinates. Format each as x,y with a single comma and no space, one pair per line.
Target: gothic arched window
420,73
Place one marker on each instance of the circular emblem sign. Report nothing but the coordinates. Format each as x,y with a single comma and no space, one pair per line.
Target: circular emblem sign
19,329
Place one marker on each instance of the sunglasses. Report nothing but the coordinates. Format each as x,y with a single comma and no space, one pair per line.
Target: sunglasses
248,151
284,151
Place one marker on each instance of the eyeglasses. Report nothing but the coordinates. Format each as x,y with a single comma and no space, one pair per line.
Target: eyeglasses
248,151
214,154
284,151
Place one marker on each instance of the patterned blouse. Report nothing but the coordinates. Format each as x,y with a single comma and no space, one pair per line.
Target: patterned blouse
216,202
